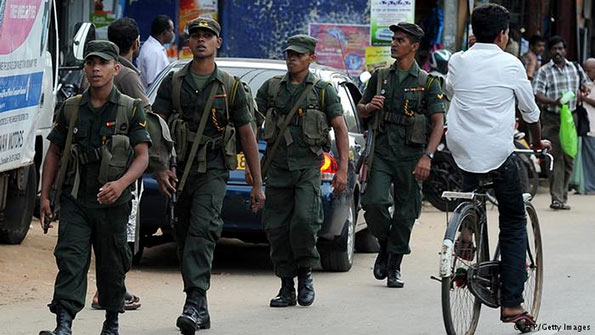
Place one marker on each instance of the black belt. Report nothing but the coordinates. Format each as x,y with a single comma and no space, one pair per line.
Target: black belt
91,156
397,119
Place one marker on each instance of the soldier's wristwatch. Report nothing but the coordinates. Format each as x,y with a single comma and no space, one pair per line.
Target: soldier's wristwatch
429,154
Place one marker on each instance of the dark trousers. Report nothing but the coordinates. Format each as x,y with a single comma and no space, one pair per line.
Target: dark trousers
292,217
563,164
513,227
80,228
200,225
406,197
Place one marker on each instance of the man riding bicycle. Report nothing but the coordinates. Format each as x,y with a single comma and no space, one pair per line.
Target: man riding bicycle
484,84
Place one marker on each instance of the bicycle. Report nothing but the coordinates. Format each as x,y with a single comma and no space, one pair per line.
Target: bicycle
469,277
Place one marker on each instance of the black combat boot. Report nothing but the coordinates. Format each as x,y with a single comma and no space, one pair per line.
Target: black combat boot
305,287
380,271
394,271
63,322
195,315
286,296
110,325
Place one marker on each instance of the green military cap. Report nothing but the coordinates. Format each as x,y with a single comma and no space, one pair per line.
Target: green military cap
204,23
104,49
301,43
409,28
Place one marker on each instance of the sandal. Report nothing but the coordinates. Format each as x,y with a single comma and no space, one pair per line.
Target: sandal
465,249
559,205
522,322
131,302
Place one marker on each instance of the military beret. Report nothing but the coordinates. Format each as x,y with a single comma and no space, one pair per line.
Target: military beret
409,28
301,44
104,49
204,23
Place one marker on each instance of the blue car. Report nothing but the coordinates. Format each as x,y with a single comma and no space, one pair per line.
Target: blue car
341,232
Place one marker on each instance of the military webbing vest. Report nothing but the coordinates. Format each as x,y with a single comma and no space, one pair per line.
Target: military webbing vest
415,121
314,123
115,154
228,141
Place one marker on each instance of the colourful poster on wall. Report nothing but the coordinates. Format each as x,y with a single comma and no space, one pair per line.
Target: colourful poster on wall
387,12
341,46
378,57
189,10
104,13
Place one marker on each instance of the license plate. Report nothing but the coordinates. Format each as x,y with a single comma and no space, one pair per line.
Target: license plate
241,162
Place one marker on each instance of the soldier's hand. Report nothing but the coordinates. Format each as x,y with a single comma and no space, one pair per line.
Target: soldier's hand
257,199
376,103
45,213
167,181
422,170
339,182
373,106
110,192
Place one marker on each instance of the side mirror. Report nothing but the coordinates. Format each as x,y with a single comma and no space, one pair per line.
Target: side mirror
84,34
364,77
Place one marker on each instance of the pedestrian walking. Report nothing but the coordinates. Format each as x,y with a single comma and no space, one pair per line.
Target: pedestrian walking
204,109
103,141
152,58
587,153
399,101
485,84
552,80
532,58
296,105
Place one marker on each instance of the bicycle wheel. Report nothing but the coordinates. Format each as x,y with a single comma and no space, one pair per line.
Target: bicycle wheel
460,254
534,283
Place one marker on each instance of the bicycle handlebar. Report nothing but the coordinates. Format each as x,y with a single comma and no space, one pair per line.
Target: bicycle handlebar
543,153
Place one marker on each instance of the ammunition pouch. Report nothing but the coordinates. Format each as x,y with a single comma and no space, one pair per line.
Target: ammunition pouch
116,157
315,129
230,150
416,130
270,126
180,135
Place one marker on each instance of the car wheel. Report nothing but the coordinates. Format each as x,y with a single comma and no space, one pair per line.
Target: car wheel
338,256
365,242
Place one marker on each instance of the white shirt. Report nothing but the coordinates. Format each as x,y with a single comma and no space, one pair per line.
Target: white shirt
485,83
151,60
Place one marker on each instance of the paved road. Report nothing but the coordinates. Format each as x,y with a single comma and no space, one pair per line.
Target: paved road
346,303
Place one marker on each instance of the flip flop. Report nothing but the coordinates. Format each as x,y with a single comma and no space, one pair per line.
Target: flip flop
523,322
131,302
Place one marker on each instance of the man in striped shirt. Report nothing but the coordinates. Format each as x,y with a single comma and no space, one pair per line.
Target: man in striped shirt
552,80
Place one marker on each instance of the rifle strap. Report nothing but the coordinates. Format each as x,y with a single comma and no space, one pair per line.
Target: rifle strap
382,78
70,107
270,154
199,133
